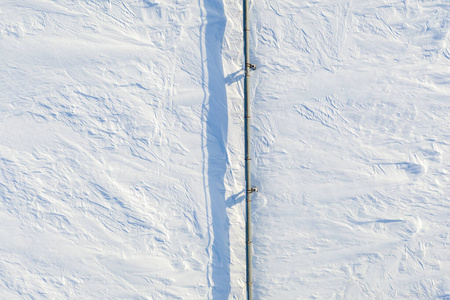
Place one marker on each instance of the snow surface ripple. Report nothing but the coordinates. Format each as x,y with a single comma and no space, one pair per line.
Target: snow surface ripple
121,149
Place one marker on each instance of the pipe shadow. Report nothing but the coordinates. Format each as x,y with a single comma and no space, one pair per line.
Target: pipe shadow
215,118
235,199
234,77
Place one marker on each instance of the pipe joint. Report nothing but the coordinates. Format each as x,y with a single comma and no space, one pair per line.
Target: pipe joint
251,66
252,190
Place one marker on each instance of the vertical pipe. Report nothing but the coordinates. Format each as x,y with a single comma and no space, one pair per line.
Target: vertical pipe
248,188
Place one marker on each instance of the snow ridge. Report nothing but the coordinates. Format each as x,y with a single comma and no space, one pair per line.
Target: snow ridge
121,149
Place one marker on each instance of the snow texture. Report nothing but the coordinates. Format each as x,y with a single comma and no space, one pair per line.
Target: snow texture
121,149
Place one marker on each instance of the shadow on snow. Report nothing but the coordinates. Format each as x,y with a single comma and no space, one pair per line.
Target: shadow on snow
215,118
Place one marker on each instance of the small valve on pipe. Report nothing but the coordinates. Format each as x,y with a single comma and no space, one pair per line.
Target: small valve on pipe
254,189
252,66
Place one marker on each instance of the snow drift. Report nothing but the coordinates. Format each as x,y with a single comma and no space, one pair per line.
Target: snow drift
121,149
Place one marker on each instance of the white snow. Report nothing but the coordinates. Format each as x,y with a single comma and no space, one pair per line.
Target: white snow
121,149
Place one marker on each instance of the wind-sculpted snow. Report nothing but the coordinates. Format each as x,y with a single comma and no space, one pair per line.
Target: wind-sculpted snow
351,145
121,149
102,165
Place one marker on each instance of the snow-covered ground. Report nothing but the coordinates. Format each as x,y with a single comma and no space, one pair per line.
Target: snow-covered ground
121,149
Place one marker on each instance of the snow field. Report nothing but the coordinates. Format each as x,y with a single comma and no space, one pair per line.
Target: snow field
351,140
121,149
101,163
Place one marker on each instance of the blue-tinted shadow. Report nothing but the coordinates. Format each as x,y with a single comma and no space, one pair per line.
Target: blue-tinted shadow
216,121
